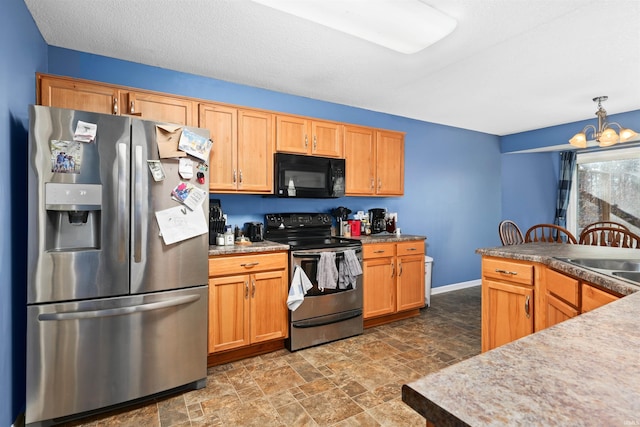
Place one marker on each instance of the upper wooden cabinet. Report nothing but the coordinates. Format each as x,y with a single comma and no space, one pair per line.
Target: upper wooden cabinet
241,158
74,94
359,154
374,162
300,135
389,163
77,95
151,106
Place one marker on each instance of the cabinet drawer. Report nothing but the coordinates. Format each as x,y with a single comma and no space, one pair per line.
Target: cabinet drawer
378,250
414,247
220,266
508,270
563,287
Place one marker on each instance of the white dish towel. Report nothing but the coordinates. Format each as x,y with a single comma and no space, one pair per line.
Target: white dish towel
350,269
327,275
300,284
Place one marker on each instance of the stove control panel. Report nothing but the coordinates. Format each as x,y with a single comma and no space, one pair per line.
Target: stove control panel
297,220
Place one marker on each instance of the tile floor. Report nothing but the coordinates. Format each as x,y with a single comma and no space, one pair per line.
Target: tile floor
352,382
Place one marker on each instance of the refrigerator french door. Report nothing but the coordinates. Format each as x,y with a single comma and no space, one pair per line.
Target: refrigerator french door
113,313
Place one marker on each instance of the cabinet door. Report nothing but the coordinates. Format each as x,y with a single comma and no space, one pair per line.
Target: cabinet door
268,306
255,152
151,106
359,155
389,163
326,139
292,134
558,310
222,123
379,288
593,298
410,289
507,313
75,95
228,312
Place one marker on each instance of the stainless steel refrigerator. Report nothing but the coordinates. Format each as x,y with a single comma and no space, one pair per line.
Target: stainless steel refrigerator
113,313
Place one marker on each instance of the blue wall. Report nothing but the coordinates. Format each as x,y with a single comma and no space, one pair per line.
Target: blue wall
23,53
451,174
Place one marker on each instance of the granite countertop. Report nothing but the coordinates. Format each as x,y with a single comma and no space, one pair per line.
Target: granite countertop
387,237
254,247
583,371
548,254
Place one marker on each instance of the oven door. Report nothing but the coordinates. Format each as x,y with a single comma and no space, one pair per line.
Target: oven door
327,302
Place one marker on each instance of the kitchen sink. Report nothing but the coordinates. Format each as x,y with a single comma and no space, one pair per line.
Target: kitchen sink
624,265
628,269
629,275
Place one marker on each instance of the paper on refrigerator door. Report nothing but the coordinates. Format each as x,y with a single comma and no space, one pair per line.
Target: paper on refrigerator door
179,223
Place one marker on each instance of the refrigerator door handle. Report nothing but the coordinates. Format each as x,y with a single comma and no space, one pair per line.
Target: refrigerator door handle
122,200
137,205
92,314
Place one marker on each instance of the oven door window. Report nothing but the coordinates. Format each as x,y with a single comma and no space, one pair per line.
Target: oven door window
310,268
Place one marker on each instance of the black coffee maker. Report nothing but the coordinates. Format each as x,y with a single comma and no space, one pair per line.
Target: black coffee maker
378,221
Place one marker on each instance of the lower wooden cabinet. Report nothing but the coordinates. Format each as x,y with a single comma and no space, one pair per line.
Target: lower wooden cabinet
393,280
520,297
247,300
507,301
593,297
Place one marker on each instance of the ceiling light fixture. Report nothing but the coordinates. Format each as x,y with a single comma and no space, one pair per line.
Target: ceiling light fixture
406,26
604,133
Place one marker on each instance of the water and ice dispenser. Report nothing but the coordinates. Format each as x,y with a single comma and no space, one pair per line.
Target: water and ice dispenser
74,214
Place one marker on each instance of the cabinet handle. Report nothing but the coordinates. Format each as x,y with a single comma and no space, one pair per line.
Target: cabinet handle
234,176
379,184
393,269
306,141
412,249
526,307
253,291
400,267
115,105
249,264
246,290
315,143
381,251
372,183
132,109
240,176
513,273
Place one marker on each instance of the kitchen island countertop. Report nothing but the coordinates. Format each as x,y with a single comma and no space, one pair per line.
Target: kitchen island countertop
584,371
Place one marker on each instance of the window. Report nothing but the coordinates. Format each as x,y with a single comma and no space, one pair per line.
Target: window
606,186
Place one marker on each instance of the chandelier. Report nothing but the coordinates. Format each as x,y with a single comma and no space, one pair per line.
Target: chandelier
604,133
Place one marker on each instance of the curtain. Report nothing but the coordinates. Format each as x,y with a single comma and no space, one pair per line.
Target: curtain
567,166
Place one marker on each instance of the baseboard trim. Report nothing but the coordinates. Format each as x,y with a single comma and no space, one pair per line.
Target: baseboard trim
456,286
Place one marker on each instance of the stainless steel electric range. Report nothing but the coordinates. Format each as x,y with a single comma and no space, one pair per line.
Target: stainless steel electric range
326,314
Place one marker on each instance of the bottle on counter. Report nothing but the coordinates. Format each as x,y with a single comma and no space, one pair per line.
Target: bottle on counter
228,236
220,239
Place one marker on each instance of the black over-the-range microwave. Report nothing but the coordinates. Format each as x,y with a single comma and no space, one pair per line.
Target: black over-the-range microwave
308,176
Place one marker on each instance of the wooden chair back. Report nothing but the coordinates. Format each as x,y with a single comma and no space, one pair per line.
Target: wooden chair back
610,236
510,233
549,233
596,224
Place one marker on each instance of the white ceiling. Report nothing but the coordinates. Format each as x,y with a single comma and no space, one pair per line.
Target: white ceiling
509,66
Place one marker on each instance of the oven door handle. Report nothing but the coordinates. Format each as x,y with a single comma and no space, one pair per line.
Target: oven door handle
327,320
318,254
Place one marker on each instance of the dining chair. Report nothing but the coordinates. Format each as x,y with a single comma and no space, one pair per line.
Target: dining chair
550,233
510,233
612,224
610,236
